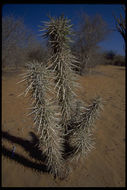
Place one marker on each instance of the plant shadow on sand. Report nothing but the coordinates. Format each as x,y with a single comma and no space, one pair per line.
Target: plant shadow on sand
34,152
31,147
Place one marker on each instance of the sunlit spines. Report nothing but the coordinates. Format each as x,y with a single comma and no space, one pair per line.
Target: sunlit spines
58,31
44,115
80,137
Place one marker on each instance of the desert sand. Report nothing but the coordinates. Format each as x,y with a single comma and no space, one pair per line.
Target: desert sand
103,167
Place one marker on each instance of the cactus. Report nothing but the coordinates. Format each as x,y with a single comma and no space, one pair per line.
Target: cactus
58,116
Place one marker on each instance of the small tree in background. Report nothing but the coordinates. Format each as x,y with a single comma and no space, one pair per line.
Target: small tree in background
18,43
61,119
121,25
91,31
14,38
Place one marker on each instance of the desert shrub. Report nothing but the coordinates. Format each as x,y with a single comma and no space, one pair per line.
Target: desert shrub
119,60
112,58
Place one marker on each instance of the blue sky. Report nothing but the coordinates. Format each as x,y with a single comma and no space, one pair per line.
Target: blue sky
33,14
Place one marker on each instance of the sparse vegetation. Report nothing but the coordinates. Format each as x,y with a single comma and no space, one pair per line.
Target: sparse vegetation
63,113
111,58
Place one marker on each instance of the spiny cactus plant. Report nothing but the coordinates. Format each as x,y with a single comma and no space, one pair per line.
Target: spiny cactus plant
61,118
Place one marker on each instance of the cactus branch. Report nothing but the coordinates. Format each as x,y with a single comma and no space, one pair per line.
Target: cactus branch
58,31
80,137
45,120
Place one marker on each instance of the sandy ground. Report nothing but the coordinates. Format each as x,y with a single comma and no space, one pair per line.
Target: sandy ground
103,167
